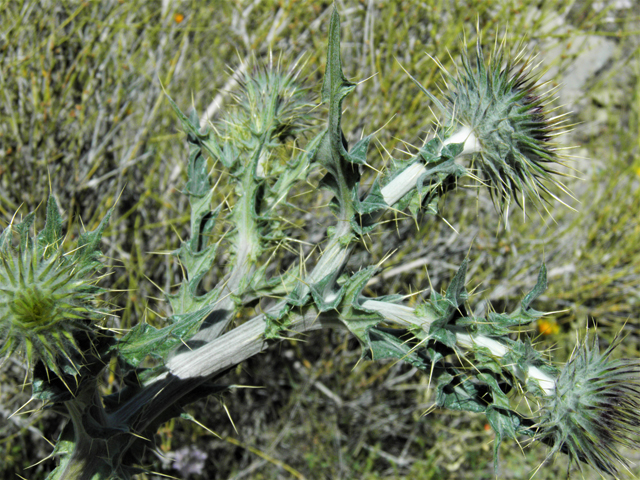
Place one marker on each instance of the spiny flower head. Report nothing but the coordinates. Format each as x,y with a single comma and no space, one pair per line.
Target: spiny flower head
270,101
500,103
595,408
47,296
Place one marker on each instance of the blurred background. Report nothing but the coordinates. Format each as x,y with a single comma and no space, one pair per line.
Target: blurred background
83,116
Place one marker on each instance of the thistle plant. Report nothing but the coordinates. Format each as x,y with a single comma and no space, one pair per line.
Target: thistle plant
496,127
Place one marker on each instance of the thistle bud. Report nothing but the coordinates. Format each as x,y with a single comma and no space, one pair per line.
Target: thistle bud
47,296
270,101
505,118
594,409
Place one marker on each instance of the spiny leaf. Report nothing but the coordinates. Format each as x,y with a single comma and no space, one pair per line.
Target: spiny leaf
144,340
343,174
198,184
456,293
506,424
456,393
335,86
51,236
88,249
539,289
205,140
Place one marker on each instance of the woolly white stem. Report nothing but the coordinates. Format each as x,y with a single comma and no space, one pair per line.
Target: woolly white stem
407,179
547,383
403,183
406,317
464,135
468,341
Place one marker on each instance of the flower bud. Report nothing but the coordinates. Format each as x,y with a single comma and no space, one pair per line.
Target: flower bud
270,101
500,107
47,296
594,409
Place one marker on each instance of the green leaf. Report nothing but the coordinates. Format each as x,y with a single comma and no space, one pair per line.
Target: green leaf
144,340
430,151
196,258
458,393
358,153
486,360
22,229
324,293
445,311
374,200
451,151
335,86
198,184
357,319
50,390
353,287
388,343
443,335
456,293
195,254
206,141
414,201
276,322
51,236
506,424
489,379
342,165
539,289
500,324
87,251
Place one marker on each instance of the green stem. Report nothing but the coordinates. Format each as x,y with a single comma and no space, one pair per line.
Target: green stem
88,460
247,250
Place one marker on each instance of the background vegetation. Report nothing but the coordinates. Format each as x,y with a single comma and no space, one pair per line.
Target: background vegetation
82,115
